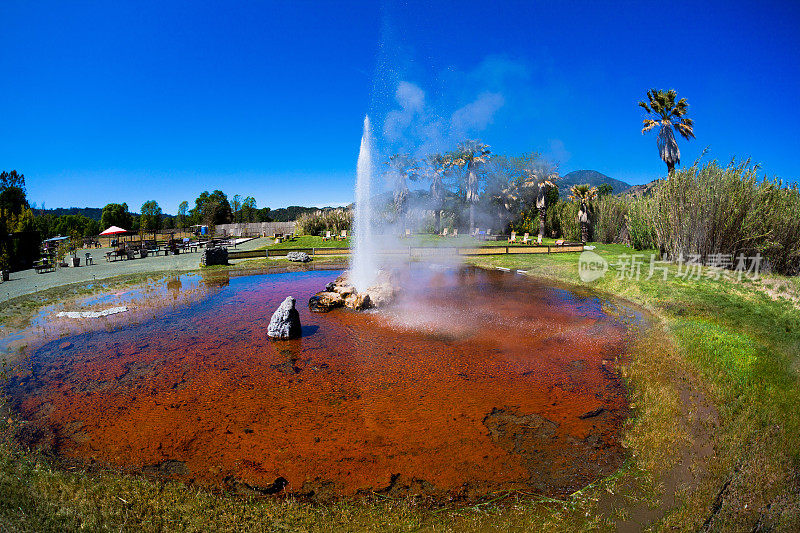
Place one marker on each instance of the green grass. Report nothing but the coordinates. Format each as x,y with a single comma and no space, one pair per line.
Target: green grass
309,241
718,368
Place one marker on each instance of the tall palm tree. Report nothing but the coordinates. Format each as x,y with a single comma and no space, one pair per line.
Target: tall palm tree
470,155
437,166
670,115
404,168
583,195
541,203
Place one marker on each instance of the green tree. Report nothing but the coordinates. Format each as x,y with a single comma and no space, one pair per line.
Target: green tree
669,115
76,225
212,209
183,209
584,196
249,209
150,219
12,179
12,201
605,189
116,215
470,156
236,207
264,214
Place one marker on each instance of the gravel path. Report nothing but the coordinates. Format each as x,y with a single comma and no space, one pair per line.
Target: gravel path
28,281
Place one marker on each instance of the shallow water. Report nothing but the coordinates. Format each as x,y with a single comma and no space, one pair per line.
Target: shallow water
473,381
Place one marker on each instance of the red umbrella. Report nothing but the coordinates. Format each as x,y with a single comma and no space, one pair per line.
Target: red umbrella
113,230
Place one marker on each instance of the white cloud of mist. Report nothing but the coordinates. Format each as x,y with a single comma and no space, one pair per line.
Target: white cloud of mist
411,99
477,115
464,105
558,152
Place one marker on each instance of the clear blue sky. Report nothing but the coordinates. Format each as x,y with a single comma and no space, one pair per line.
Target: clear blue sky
128,101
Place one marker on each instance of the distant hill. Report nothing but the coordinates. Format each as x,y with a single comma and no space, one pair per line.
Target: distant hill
593,178
89,212
95,213
646,189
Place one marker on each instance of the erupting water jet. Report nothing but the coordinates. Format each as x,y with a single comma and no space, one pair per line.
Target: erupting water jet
363,263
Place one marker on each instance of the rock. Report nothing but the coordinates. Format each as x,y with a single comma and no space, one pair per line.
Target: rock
344,290
217,255
359,302
342,293
322,302
593,413
381,295
285,322
301,257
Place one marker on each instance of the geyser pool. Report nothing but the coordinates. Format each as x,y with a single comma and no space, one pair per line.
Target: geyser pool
475,381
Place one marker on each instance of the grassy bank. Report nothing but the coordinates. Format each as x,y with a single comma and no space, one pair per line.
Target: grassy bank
741,341
714,390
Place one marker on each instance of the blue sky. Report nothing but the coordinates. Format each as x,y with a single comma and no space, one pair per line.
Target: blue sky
129,101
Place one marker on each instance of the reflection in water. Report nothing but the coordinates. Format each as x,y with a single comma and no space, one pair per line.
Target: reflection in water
473,381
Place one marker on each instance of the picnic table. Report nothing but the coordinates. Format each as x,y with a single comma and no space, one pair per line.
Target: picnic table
44,265
115,254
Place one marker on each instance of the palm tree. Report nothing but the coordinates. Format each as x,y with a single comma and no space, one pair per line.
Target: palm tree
404,168
437,165
541,203
670,115
584,196
470,155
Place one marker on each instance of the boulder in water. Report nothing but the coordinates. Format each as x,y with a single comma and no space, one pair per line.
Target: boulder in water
300,257
285,322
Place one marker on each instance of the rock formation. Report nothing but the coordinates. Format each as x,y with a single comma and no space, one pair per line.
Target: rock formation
341,293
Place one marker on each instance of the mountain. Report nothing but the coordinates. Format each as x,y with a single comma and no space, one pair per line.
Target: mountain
592,177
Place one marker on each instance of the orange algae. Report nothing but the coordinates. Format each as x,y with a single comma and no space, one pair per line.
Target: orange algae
473,381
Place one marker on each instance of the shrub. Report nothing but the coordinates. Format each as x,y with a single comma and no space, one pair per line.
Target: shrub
318,222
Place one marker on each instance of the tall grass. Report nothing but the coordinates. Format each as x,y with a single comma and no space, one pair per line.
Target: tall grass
639,225
708,210
562,221
318,222
610,213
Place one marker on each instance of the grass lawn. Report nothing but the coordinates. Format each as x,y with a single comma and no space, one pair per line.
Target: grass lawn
310,241
714,440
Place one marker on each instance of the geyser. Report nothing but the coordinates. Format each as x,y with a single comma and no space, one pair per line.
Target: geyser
363,262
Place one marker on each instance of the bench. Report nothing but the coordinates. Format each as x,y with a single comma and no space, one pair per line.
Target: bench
44,265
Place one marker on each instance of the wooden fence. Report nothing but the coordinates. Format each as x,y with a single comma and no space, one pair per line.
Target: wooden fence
415,251
252,229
